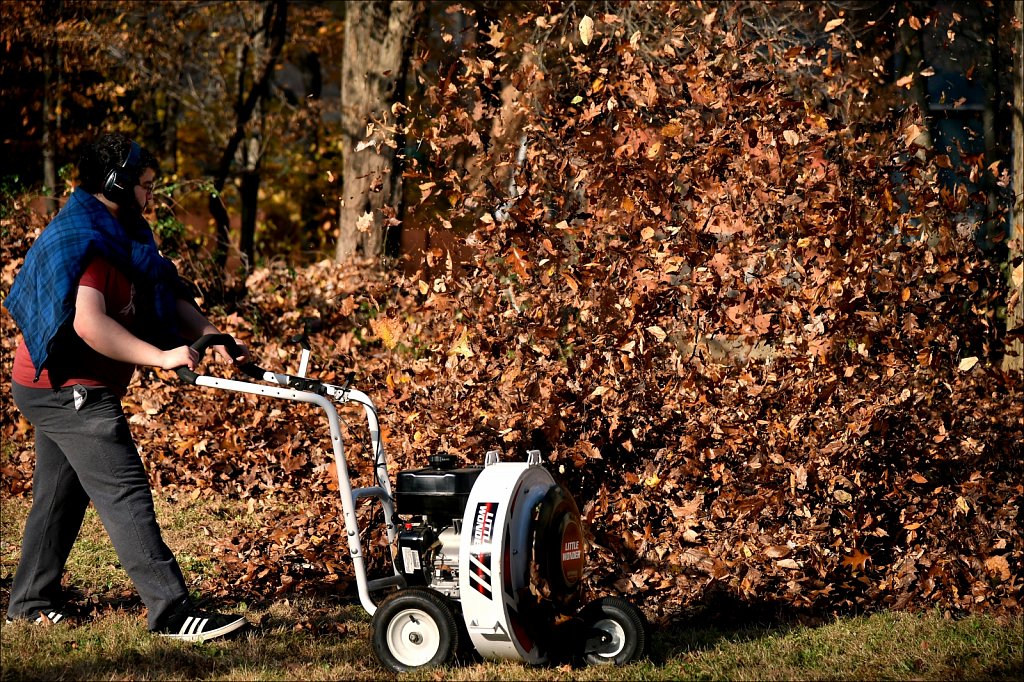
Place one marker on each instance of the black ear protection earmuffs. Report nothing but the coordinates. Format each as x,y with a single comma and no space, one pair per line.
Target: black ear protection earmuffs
119,186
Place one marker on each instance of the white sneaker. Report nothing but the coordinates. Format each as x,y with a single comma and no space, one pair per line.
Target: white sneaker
44,617
196,626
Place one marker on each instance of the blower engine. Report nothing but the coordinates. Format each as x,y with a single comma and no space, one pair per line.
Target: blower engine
494,555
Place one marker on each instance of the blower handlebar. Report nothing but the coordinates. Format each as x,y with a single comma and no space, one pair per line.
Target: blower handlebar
203,342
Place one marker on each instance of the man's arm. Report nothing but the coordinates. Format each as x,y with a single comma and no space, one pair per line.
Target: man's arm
108,337
194,324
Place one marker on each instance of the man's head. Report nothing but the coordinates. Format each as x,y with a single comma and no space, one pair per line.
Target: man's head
116,168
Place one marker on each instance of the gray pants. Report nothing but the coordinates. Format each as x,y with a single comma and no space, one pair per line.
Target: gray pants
86,452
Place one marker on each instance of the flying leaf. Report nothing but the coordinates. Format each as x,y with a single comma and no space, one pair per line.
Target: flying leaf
857,560
586,30
657,332
386,330
365,222
834,24
968,363
496,38
671,130
461,345
999,566
912,134
516,260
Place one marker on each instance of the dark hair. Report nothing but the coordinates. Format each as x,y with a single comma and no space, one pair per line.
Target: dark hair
103,155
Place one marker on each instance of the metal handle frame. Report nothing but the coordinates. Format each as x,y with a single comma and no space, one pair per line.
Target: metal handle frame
301,389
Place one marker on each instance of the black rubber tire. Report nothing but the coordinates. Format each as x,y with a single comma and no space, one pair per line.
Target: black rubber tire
414,629
624,622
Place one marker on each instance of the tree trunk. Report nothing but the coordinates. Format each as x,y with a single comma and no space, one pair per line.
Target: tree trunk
276,27
1013,361
378,37
249,193
49,151
251,153
51,110
170,135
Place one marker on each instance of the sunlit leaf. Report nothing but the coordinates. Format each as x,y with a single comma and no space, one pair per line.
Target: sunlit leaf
968,363
834,24
365,222
461,345
586,30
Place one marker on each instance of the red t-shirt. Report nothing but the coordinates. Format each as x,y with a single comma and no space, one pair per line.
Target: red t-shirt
71,360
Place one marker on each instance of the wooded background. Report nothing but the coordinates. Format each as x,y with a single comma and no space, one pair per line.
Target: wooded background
748,274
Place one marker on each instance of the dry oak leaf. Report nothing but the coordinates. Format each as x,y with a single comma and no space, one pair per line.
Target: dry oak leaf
496,37
672,129
461,345
998,566
365,222
857,560
387,331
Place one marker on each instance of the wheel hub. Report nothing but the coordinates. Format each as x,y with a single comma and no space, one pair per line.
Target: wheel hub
613,638
413,637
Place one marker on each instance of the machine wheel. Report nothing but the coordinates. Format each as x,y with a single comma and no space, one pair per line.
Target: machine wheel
620,626
414,628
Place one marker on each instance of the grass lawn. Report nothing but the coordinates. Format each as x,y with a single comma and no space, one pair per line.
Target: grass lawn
329,640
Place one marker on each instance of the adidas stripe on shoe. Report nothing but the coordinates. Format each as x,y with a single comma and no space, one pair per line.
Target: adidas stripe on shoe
45,617
196,626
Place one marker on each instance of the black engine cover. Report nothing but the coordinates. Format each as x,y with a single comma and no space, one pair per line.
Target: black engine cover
435,493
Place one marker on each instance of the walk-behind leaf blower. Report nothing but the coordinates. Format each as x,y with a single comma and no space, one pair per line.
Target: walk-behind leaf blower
486,559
